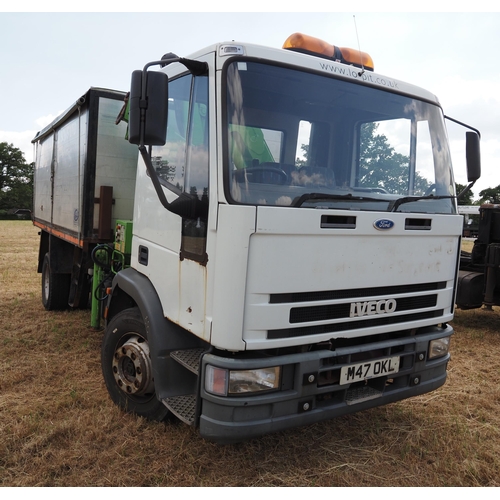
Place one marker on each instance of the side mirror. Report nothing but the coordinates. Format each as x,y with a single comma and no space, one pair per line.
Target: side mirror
148,108
147,125
473,156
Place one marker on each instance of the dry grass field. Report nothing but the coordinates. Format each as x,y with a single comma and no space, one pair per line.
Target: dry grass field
58,426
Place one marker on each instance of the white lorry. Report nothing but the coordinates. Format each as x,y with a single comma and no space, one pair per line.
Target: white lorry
294,245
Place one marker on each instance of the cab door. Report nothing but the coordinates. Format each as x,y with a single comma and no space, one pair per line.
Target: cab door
174,249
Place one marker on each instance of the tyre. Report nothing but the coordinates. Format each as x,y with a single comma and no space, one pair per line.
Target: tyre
55,287
126,366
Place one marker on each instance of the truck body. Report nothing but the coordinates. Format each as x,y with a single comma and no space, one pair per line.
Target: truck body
295,244
84,182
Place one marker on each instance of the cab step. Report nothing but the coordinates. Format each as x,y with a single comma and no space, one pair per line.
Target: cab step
183,407
189,358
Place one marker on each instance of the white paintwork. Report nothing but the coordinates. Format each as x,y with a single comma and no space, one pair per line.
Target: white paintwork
236,224
256,251
330,68
159,231
291,253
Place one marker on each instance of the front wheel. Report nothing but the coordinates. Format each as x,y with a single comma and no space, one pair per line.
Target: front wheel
127,368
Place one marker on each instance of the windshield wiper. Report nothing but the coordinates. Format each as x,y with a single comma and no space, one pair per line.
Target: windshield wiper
394,205
325,196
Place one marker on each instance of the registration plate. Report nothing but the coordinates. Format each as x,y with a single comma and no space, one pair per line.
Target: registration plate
369,369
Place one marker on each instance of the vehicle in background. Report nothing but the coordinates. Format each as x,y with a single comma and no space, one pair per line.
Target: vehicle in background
479,277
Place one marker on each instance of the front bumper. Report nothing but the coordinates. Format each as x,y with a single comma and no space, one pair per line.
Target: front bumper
310,391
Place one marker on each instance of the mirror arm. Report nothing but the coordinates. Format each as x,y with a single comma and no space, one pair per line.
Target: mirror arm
472,153
464,125
466,190
186,205
154,176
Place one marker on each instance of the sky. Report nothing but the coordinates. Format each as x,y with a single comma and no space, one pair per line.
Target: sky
49,59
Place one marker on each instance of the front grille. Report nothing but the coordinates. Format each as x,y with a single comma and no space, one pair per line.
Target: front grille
335,311
352,325
283,298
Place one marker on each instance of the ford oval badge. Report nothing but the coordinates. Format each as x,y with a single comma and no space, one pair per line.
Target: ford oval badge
383,224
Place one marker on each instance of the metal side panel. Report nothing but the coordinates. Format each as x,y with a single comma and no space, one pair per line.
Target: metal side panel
116,161
42,206
70,151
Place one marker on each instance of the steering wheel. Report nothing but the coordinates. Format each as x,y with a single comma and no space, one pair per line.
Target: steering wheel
261,174
380,190
314,177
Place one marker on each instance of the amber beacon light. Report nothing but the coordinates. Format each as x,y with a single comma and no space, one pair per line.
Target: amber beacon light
310,45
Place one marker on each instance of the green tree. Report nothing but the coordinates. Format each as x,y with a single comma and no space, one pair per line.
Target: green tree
381,167
468,198
489,195
303,162
16,178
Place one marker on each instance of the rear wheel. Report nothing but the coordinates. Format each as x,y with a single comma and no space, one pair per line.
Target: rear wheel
55,287
126,366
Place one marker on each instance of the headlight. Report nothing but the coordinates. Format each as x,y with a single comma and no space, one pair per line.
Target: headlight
439,347
224,382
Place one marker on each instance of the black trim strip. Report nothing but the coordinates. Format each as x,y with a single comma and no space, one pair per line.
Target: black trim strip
352,325
285,298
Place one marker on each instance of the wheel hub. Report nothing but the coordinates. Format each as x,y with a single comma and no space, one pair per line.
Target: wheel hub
132,367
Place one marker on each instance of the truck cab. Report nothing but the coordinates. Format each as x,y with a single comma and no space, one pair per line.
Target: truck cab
312,270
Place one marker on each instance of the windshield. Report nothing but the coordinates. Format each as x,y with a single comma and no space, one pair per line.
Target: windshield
299,139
